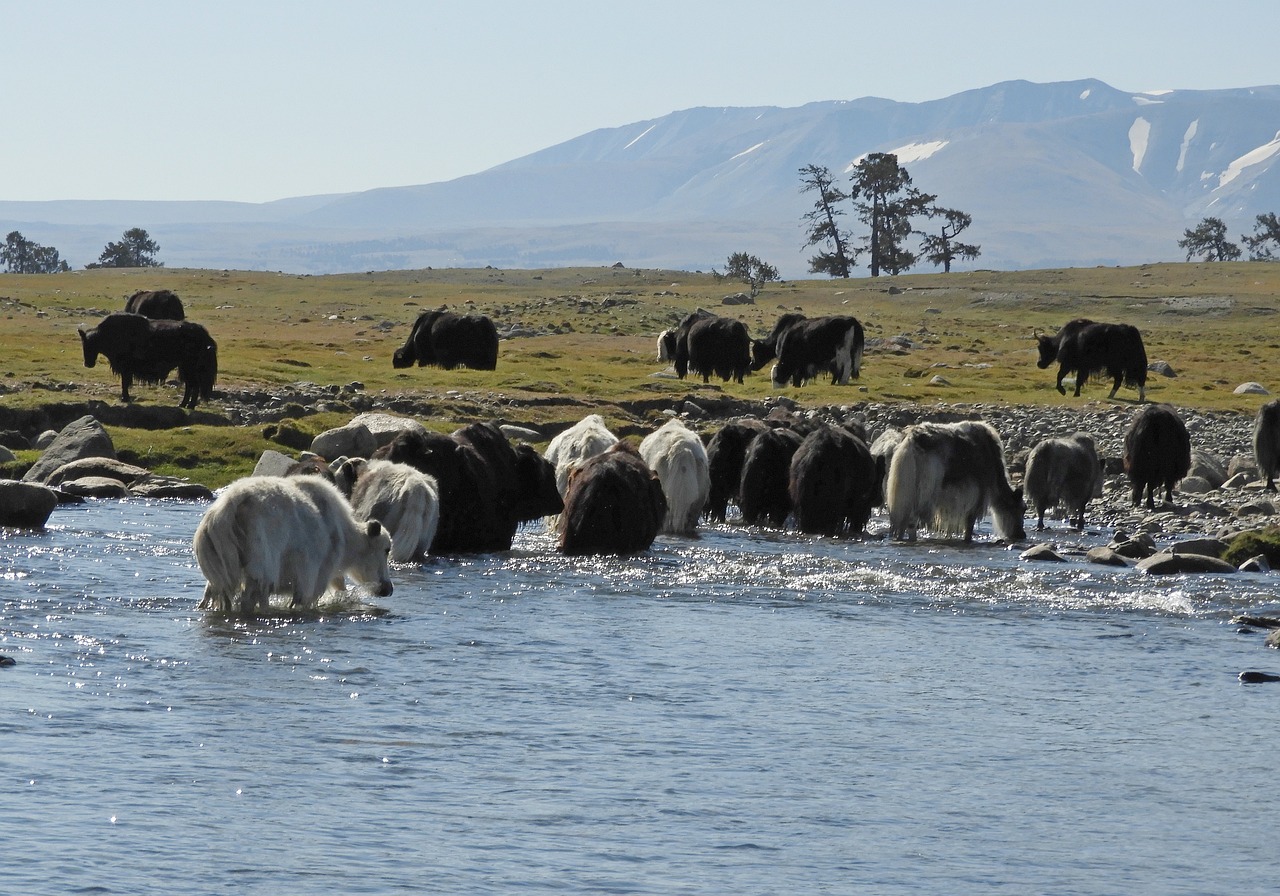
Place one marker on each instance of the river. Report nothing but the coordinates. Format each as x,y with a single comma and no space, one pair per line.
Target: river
744,713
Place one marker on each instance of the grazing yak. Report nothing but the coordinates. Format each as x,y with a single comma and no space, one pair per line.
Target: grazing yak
804,348
1063,472
486,487
148,350
832,484
404,499
706,344
1090,348
444,339
157,304
947,476
679,458
1157,452
669,338
288,535
614,504
764,487
726,453
586,438
1266,441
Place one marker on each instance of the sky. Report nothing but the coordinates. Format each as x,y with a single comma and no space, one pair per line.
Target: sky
270,99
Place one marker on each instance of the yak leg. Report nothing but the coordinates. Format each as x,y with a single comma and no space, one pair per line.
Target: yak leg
1080,380
1116,386
126,380
1062,374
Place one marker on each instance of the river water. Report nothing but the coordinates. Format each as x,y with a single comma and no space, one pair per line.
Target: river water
742,713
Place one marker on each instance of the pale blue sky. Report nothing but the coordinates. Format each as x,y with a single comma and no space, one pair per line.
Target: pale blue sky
266,99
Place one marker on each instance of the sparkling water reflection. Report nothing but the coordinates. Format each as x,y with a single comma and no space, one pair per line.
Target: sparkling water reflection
741,713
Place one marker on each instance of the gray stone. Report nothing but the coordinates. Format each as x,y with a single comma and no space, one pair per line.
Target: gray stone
170,487
6,455
1209,467
1210,547
25,505
352,440
1161,367
1241,479
1042,552
1195,485
78,439
96,466
95,487
1257,563
1176,564
1136,547
45,439
385,427
273,463
1251,389
1106,557
520,433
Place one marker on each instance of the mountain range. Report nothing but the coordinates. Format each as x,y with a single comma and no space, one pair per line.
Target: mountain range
1065,174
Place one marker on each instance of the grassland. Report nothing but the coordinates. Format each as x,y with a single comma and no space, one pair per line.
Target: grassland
1215,324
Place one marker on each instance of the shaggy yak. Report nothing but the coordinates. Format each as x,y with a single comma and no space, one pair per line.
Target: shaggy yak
289,535
148,350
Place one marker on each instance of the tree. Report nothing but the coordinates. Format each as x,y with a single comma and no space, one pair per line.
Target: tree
824,223
1209,238
136,249
742,266
886,202
1266,229
941,248
22,256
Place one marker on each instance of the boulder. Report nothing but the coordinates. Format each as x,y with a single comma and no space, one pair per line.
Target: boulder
273,463
352,440
1165,563
1208,467
520,433
170,487
1106,557
1042,552
385,427
1210,547
1251,389
1139,546
25,505
45,439
78,439
96,466
95,487
6,456
1256,563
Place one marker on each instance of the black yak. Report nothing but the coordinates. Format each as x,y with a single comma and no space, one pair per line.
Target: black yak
1266,441
1157,452
148,350
157,304
614,504
444,339
1090,348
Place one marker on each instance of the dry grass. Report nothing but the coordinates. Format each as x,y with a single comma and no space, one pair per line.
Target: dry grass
1215,324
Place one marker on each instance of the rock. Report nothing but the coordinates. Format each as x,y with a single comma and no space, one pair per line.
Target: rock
273,463
1042,552
939,380
1254,677
1208,467
96,487
79,438
352,440
1165,563
45,439
1161,367
1251,389
520,433
14,440
693,410
385,427
1256,563
96,466
1139,546
1195,485
1209,547
6,456
25,505
1241,479
1106,557
738,298
170,487
287,435
1257,621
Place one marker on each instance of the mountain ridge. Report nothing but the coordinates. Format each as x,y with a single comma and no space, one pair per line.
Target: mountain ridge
1066,174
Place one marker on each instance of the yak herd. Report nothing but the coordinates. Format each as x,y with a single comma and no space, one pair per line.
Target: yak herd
425,493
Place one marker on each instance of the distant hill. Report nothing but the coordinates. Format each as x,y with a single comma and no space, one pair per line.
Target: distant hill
1067,174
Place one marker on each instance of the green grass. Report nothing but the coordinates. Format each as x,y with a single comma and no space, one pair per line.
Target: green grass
1214,323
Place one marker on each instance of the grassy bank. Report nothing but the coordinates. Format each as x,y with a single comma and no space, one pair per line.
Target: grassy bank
1215,324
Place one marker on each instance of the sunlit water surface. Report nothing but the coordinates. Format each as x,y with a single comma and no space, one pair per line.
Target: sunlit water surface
742,713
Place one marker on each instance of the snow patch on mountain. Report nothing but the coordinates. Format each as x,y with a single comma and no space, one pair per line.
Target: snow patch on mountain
1186,143
1139,133
1249,159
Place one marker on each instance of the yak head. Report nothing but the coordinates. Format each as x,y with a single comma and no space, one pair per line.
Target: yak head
89,342
1048,346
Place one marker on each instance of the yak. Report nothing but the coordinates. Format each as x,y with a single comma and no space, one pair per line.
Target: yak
157,304
148,350
444,339
1091,348
1157,452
